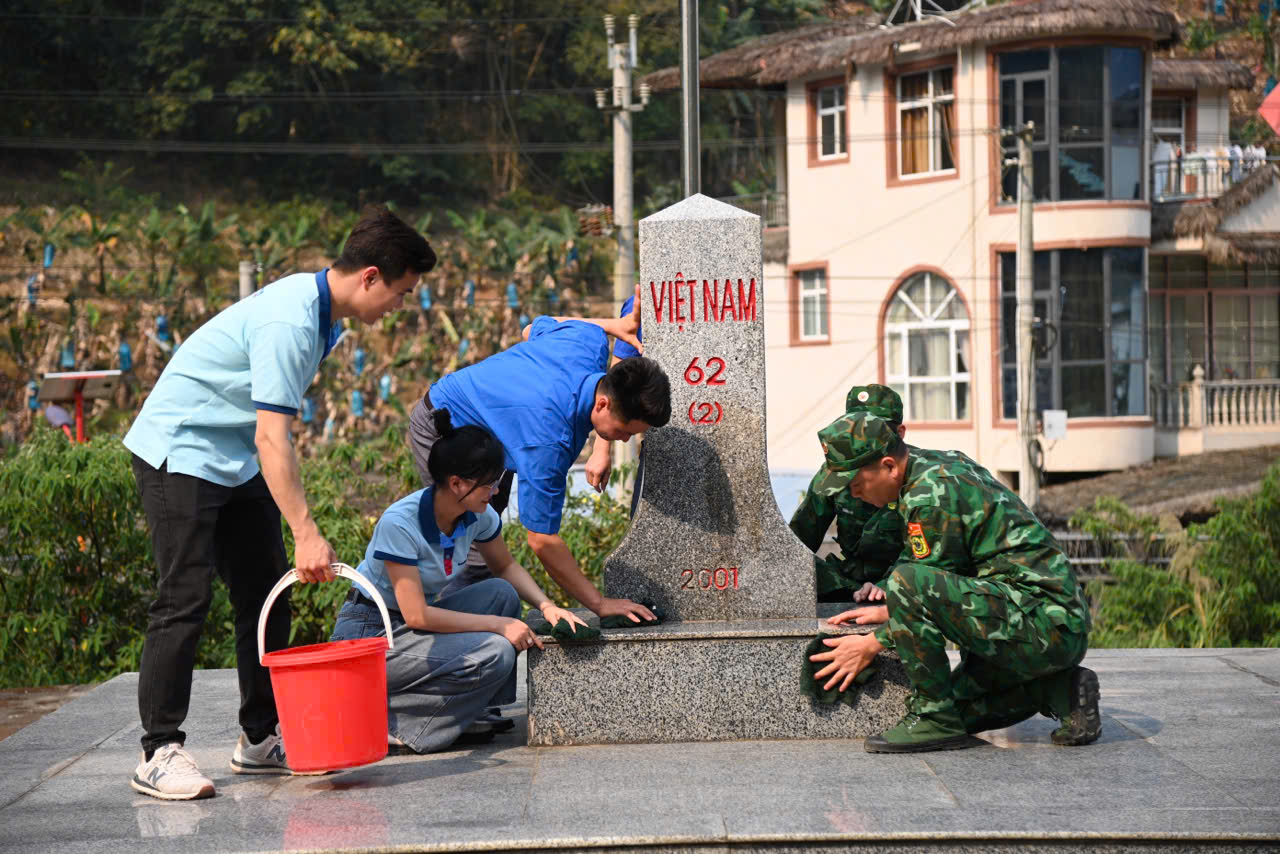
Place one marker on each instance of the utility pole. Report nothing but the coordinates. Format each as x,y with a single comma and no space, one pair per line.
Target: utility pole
690,142
1028,474
622,61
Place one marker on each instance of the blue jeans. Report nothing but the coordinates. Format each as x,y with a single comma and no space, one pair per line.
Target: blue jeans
438,683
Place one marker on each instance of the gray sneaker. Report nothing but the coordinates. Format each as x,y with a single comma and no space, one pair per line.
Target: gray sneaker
171,775
265,757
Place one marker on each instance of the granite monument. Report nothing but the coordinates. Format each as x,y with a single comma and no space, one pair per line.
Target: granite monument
707,544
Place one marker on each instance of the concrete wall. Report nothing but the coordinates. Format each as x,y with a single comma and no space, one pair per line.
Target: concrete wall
870,235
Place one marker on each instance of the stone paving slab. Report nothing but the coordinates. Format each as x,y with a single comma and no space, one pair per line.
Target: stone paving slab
1189,760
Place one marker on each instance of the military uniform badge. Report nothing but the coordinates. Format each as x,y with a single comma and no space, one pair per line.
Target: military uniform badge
915,536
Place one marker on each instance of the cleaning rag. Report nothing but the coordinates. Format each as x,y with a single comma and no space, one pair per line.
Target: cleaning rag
811,687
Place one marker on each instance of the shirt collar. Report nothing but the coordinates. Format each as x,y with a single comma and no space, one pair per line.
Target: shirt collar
427,517
329,331
587,399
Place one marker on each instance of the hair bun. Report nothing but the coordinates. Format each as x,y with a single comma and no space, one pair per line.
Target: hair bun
443,422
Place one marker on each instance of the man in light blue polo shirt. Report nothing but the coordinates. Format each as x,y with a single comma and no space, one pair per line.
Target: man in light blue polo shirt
542,398
216,470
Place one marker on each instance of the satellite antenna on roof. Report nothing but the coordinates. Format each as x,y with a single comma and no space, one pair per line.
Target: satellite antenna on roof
910,11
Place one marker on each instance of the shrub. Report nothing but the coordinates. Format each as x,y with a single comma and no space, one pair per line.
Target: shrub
78,576
1221,588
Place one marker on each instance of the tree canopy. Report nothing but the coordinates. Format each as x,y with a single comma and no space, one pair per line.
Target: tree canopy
420,101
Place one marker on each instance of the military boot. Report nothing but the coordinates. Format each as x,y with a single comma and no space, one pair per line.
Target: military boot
1083,723
917,733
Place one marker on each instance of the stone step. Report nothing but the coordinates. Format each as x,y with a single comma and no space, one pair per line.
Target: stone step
690,681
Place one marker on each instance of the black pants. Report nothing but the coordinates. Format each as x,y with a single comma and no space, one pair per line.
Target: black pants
198,527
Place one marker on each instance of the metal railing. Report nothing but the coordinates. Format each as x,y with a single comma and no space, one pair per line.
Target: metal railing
771,207
1216,403
1200,176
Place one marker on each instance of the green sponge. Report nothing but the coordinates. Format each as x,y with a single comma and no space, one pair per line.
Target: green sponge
622,621
810,687
567,632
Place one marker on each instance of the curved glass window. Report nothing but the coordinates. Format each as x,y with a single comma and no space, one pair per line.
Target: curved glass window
1087,105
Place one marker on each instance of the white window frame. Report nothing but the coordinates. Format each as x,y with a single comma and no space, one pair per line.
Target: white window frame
814,290
837,112
927,319
928,102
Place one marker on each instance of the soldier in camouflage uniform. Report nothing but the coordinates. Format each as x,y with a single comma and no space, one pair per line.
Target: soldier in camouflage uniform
979,570
870,537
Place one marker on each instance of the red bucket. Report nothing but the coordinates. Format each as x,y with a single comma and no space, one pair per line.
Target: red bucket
331,697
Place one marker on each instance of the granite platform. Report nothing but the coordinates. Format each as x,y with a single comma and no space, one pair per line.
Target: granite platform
710,680
1189,760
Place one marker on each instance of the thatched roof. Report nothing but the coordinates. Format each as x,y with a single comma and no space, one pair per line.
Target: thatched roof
821,48
1202,219
1169,73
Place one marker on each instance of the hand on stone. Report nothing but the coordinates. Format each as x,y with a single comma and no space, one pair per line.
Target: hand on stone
620,607
519,634
848,656
627,328
862,616
554,614
868,593
597,469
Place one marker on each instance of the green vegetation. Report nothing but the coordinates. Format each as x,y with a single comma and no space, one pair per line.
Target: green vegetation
491,100
123,260
78,575
1220,589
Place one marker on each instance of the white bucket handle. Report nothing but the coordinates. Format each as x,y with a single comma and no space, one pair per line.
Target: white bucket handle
339,569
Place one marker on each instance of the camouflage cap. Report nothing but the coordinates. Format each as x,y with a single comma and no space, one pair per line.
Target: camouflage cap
851,442
875,399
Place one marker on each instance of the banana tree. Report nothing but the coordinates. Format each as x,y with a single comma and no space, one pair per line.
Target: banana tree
260,246
100,235
155,230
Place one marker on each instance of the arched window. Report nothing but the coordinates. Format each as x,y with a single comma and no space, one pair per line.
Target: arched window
926,346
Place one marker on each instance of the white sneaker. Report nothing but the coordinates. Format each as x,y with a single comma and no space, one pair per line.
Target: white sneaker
171,775
265,757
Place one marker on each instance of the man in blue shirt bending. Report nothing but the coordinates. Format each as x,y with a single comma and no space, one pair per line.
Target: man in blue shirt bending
216,469
542,398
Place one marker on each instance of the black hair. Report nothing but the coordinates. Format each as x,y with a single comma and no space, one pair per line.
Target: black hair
383,240
470,452
896,448
638,390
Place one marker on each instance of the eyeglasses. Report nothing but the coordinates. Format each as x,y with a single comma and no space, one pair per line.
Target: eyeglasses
493,487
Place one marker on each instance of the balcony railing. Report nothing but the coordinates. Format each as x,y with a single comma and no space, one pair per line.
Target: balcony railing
771,207
1199,176
1201,404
